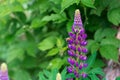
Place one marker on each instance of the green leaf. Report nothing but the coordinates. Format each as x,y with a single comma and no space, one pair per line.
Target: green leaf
91,61
99,34
29,63
53,74
94,47
47,43
31,49
104,32
88,3
53,52
46,73
56,1
109,52
100,5
90,43
77,1
118,78
112,6
15,53
97,71
63,73
22,75
69,26
41,76
98,63
60,42
111,41
114,16
37,22
55,63
70,75
42,6
58,18
8,8
66,3
86,78
94,77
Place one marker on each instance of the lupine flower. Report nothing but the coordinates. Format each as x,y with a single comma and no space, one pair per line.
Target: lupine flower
4,72
76,44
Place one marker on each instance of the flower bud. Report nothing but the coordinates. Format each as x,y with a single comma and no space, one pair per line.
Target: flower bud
71,53
84,50
79,49
72,35
83,43
85,65
71,61
81,66
70,69
4,72
58,76
84,75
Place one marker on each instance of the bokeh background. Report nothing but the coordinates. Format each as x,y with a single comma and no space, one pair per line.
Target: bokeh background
33,33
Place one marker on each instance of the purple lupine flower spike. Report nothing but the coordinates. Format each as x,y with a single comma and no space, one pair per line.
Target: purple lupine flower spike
4,72
76,45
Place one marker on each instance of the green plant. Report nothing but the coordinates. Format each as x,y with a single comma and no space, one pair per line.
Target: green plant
33,32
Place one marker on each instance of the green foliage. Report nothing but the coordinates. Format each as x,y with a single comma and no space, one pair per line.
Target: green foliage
66,3
114,16
47,75
47,43
111,50
92,73
88,3
22,75
33,36
118,78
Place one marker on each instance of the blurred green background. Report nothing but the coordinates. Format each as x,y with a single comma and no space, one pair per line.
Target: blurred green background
33,33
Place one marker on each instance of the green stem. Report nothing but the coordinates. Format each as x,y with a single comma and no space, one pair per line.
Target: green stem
77,53
86,18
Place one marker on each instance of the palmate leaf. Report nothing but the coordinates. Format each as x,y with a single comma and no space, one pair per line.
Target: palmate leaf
63,73
94,72
51,75
97,71
94,77
91,61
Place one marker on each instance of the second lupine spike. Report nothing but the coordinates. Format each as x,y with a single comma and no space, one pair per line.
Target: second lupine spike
4,72
76,45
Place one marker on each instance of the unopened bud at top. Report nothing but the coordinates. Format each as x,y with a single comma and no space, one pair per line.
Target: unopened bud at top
58,76
3,67
77,22
77,19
